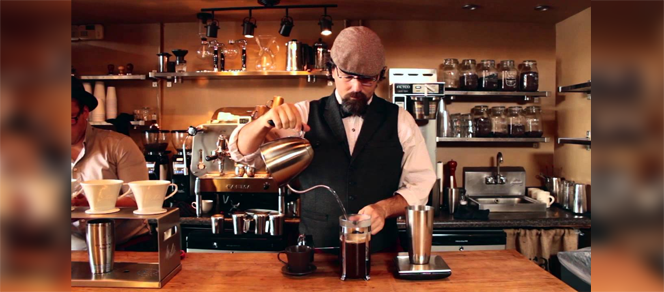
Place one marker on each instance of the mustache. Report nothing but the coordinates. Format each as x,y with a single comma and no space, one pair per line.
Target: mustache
357,95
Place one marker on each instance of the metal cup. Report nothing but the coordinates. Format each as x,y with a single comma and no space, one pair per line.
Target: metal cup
101,245
578,200
419,227
261,225
276,222
217,221
240,223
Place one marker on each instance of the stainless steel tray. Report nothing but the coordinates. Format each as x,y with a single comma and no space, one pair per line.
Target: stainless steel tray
508,204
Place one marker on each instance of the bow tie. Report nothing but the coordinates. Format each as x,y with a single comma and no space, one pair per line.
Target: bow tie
344,113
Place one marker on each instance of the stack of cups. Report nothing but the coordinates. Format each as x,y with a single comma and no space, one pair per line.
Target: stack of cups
99,114
111,103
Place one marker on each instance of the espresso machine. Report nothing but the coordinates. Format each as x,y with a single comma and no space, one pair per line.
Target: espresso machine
155,143
234,189
180,172
417,91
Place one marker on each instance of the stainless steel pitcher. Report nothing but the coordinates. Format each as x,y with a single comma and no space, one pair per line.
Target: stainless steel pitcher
285,158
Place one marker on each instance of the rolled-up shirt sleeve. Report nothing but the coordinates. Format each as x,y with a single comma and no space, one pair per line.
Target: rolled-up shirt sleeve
254,159
417,176
251,159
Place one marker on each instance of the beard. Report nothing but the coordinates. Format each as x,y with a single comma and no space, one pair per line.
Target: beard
355,103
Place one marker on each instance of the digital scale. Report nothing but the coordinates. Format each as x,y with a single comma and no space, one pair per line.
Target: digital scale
435,269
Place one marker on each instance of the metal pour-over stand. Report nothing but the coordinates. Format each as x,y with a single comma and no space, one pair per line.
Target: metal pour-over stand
135,275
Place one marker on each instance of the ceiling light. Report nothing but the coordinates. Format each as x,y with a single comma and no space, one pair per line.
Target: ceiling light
470,7
325,23
542,8
248,26
286,25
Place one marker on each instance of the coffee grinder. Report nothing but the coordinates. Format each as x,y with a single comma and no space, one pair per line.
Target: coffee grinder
181,174
418,263
417,91
155,143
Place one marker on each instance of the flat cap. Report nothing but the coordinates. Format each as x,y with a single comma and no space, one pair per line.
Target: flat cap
358,50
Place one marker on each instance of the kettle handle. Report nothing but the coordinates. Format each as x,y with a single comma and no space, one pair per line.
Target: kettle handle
271,123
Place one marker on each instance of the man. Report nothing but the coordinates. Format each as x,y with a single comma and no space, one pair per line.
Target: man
102,154
370,151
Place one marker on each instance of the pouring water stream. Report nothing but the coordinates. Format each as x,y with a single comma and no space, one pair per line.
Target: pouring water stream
325,187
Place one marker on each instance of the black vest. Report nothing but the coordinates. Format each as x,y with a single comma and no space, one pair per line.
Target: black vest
371,174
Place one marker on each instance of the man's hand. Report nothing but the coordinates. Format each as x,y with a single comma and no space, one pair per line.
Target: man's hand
378,216
285,116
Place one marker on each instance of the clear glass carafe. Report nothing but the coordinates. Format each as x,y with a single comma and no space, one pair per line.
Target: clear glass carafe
267,47
355,239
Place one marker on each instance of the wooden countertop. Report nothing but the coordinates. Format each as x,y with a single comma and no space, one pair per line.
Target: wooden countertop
471,271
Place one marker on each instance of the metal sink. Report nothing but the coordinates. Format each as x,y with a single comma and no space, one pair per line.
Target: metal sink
508,204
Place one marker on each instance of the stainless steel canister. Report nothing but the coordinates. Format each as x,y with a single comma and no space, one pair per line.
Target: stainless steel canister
294,58
101,245
419,227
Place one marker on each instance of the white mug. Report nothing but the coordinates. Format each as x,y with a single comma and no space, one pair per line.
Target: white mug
150,194
544,197
206,205
103,193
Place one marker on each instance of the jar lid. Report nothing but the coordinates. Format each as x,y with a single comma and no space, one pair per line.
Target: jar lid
498,107
529,61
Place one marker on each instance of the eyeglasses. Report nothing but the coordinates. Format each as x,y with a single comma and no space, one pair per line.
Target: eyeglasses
74,119
363,80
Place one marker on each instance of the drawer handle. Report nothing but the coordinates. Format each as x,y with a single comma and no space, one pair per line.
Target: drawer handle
461,249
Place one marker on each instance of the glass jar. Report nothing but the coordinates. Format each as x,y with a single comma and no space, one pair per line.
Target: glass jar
455,121
533,119
498,122
481,121
529,76
181,66
451,73
467,126
508,78
468,75
488,75
516,121
146,114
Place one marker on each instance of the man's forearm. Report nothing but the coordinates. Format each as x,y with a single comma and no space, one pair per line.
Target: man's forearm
394,206
251,137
